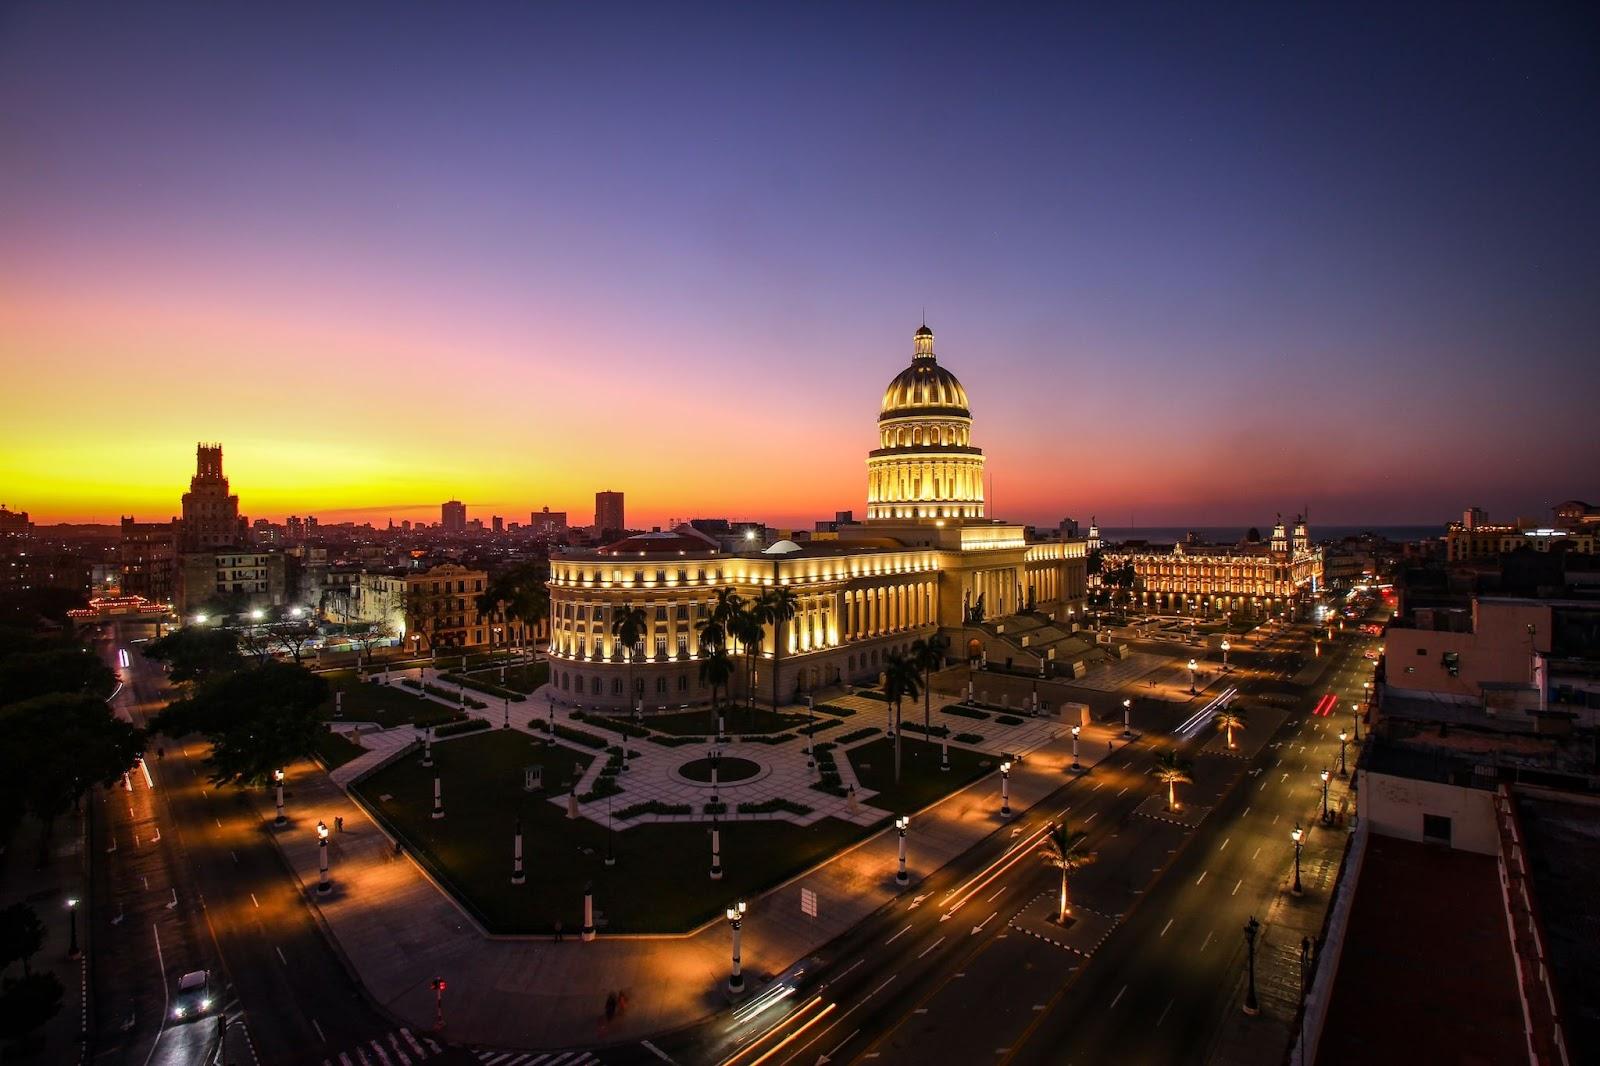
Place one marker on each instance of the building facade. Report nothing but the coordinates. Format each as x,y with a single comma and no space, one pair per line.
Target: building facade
441,612
548,523
926,561
231,580
609,513
1225,577
148,555
453,516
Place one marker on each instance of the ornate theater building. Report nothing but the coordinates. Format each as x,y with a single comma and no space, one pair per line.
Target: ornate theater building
926,560
1273,575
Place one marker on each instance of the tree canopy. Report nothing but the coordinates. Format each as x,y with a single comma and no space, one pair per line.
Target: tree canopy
257,719
198,652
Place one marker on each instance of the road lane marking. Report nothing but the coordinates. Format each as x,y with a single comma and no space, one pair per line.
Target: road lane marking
1202,877
1236,888
1124,789
1225,844
1164,928
1246,813
1118,998
881,987
897,936
931,946
320,1035
1091,817
1164,1010
1096,787
253,899
996,895
280,955
1207,942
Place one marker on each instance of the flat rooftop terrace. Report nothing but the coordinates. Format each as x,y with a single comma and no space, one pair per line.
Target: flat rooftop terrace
1426,975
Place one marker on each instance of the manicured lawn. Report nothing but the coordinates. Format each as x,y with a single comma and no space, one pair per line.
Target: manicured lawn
520,677
388,705
921,780
659,883
737,720
335,750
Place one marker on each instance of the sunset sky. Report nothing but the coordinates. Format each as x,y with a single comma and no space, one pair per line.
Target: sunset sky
1192,267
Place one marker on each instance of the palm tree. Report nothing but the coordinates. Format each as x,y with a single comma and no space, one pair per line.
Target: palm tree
725,613
749,629
628,625
779,606
901,680
716,669
1064,851
1229,719
929,656
1172,770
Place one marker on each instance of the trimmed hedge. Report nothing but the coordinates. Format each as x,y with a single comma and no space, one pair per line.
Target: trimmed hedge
772,806
768,738
444,693
603,786
674,742
860,734
967,738
652,807
715,808
1009,719
916,727
835,710
616,725
566,732
966,712
455,729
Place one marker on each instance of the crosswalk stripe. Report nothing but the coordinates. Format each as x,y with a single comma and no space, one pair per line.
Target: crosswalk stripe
377,1049
421,1054
433,1045
363,1057
498,1056
344,1060
394,1042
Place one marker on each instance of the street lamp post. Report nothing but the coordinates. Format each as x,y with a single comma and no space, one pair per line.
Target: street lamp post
1005,789
506,723
1324,775
1225,647
277,780
1344,738
438,799
518,877
716,850
72,920
1355,722
736,920
1296,834
586,934
1252,1006
1127,717
427,746
811,735
900,824
324,886
716,758
1193,666
1077,767
611,857
437,984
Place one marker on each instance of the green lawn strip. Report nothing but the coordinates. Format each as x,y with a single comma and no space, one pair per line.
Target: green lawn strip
334,750
522,677
921,780
658,884
738,721
388,705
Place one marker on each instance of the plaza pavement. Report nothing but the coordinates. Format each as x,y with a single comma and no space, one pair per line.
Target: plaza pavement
398,931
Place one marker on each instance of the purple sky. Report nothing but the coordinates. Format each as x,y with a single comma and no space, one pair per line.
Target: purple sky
1198,266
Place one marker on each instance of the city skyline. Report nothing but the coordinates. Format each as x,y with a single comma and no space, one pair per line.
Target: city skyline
1175,265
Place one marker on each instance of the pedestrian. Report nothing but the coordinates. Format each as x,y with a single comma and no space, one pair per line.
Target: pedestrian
558,930
161,753
338,823
1108,747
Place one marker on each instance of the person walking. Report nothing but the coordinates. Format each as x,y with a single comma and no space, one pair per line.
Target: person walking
558,930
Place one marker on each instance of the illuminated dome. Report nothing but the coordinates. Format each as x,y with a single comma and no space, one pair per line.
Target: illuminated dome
925,465
924,386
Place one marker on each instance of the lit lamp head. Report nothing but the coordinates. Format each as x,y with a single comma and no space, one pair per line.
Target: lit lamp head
1193,664
201,619
322,830
296,612
1005,767
1076,729
1127,702
1296,833
257,615
736,910
902,822
277,777
1226,645
72,903
1324,776
1344,735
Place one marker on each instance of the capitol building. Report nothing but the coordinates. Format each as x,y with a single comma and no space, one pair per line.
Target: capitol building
926,560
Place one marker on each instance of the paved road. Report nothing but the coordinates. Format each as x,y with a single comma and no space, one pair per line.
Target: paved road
952,979
286,996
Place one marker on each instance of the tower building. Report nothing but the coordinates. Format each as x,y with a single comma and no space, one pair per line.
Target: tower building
210,512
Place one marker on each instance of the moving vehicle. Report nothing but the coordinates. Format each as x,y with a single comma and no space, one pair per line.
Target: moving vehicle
194,996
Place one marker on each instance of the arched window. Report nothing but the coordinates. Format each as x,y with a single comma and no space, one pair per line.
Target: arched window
683,682
661,686
616,686
594,685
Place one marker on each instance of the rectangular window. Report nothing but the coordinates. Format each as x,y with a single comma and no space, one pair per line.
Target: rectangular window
661,648
1436,829
661,612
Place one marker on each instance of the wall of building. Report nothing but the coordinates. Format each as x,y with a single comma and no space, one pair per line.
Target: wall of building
1394,806
1499,649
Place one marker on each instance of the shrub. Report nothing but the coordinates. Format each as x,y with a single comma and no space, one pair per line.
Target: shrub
616,725
860,734
835,710
916,727
774,805
716,808
967,738
768,738
465,725
1009,719
566,732
873,695
603,786
674,742
652,807
966,712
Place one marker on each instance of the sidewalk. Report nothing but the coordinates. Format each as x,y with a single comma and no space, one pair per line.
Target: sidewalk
61,1039
398,931
1265,1040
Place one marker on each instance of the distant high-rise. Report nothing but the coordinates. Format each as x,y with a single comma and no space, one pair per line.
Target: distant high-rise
608,513
210,513
499,524
453,516
548,523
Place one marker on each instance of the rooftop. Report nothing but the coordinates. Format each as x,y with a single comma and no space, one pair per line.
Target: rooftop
1426,973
